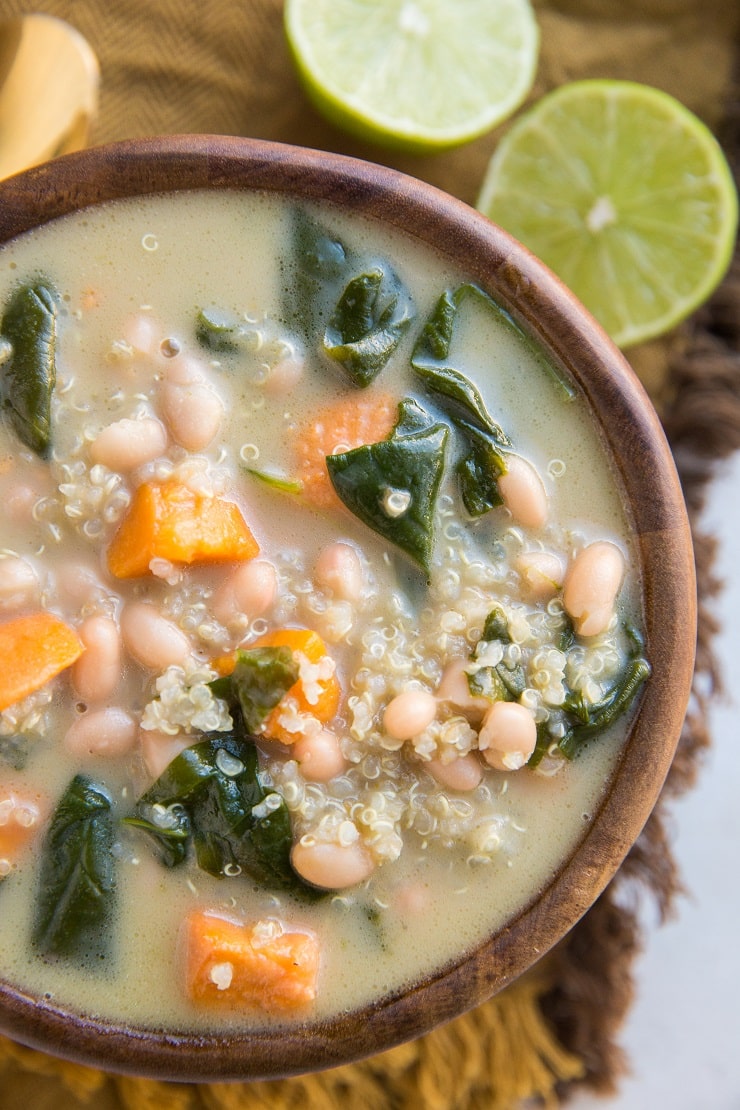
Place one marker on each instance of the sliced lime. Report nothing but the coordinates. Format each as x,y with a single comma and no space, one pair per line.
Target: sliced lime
625,195
420,75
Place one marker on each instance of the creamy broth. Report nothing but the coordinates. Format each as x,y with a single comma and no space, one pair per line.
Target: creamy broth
447,866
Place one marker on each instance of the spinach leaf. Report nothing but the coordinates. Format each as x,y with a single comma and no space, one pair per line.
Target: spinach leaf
15,750
261,677
433,345
218,330
319,263
606,712
29,327
479,469
483,441
370,319
222,812
351,307
392,486
587,721
500,682
169,829
76,879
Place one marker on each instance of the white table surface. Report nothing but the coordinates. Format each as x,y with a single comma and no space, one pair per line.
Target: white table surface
682,1036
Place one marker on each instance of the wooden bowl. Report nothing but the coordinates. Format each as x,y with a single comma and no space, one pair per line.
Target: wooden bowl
632,436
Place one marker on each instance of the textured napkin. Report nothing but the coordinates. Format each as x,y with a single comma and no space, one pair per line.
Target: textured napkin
222,66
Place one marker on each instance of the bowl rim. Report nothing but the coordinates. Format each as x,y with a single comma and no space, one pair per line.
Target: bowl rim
633,436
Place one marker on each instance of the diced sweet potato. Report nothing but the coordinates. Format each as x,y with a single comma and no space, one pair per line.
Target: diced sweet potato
348,423
235,965
33,649
168,520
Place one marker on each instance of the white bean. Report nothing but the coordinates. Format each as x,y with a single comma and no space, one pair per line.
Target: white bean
592,583
332,866
463,773
21,497
339,569
158,749
454,690
542,573
153,640
18,582
126,444
523,492
192,409
142,332
508,735
413,899
320,756
409,713
284,376
107,732
249,591
77,583
96,673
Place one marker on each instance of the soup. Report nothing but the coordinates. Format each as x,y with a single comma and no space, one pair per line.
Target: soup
319,605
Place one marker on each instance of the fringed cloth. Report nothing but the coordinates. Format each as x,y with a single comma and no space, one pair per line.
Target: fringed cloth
181,65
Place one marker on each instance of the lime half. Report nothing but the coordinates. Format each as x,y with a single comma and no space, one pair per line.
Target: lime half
420,75
625,194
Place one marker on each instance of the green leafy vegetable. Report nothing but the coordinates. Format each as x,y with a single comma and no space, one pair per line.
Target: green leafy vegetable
76,879
502,681
210,799
585,720
607,711
170,832
392,486
351,307
14,750
479,470
218,330
433,345
275,481
260,679
483,441
319,263
368,323
29,327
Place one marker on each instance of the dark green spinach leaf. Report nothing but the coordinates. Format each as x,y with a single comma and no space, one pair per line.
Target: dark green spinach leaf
15,749
501,682
351,307
29,327
76,893
392,486
606,712
587,721
483,442
169,830
232,824
317,267
370,319
479,469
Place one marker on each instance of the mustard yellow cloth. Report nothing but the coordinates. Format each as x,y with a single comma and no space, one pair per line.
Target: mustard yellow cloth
221,66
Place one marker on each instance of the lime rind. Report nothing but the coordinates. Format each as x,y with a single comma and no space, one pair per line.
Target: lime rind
419,75
625,194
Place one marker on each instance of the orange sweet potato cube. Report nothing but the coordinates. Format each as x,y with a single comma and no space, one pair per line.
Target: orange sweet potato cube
168,520
34,649
257,965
